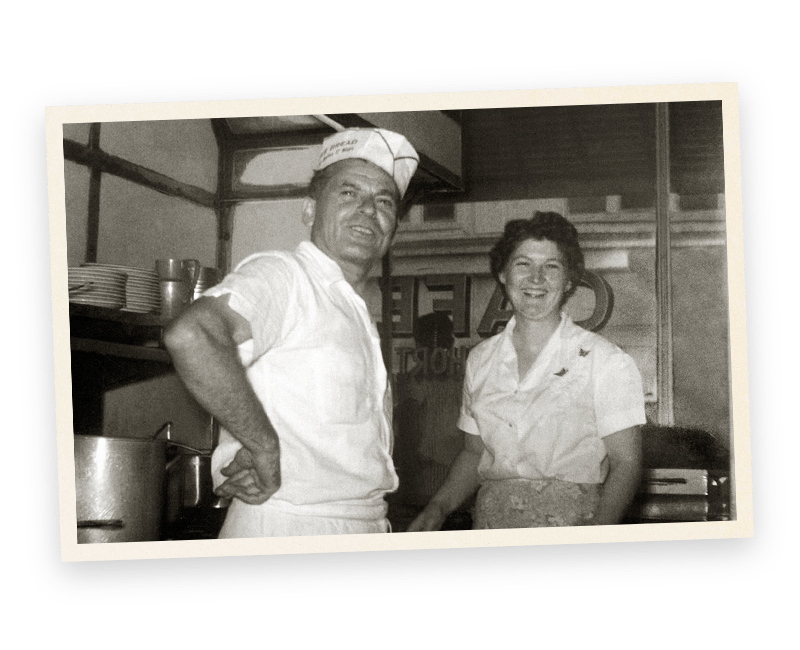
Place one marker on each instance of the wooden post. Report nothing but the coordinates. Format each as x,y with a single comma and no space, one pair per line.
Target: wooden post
223,208
224,237
666,412
93,220
386,311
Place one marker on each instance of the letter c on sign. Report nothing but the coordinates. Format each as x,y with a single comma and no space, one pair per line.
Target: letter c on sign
603,301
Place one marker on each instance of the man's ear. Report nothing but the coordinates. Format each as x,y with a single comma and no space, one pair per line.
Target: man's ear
309,211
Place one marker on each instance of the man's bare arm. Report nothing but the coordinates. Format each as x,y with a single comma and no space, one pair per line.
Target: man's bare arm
203,343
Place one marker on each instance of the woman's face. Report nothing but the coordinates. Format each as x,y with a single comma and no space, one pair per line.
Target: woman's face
535,279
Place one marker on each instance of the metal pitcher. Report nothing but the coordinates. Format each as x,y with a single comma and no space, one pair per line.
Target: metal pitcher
178,279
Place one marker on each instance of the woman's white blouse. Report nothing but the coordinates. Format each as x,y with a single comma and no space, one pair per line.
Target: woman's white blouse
551,424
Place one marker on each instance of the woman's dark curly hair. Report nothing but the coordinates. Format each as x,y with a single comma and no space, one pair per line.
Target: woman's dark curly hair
542,225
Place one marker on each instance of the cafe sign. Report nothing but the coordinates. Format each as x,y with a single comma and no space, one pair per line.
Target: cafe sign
453,296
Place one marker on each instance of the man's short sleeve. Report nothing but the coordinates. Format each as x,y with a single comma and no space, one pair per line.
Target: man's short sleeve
261,289
619,396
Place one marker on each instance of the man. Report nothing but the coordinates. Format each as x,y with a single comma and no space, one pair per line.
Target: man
286,356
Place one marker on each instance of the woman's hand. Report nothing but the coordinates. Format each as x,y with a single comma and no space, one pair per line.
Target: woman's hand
461,482
431,518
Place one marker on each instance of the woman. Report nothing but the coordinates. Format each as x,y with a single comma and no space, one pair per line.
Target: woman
550,412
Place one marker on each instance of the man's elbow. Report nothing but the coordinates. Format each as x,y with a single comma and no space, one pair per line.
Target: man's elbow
181,335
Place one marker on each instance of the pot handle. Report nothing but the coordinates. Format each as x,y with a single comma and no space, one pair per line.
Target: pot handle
111,524
166,426
195,452
198,452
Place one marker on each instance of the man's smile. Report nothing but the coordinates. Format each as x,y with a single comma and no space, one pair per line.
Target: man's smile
362,231
534,293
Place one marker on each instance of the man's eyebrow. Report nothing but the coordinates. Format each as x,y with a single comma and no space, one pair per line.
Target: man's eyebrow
384,191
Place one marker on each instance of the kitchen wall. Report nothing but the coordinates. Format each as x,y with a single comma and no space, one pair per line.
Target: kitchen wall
139,225
267,225
76,179
141,409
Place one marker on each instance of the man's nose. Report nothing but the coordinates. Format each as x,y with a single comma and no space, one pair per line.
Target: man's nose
368,205
537,273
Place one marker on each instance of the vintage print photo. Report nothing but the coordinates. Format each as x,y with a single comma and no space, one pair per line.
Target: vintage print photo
399,322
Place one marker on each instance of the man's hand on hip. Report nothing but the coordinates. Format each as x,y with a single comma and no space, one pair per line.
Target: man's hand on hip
253,476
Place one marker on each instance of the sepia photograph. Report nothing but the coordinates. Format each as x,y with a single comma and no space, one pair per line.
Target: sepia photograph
399,322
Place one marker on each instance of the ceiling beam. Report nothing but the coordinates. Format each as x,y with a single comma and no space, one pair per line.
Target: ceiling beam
96,159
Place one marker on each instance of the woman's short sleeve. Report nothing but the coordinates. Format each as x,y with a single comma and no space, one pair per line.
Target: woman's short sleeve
619,396
466,419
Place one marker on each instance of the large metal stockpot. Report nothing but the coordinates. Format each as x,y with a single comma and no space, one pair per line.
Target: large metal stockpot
120,488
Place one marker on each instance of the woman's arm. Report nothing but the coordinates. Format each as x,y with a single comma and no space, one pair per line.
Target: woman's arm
461,482
624,450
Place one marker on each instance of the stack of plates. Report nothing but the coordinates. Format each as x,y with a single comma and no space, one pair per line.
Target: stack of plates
100,287
142,291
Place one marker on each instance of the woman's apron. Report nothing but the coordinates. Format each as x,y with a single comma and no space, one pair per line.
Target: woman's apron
525,503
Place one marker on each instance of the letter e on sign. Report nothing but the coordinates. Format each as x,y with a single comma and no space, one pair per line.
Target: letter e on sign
458,305
403,305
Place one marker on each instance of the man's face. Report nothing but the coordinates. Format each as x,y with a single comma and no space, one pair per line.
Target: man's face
354,216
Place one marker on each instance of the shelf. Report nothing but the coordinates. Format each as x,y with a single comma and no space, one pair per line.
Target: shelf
115,315
124,350
115,333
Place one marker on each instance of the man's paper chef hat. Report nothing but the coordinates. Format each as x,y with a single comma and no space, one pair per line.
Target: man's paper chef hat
388,150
